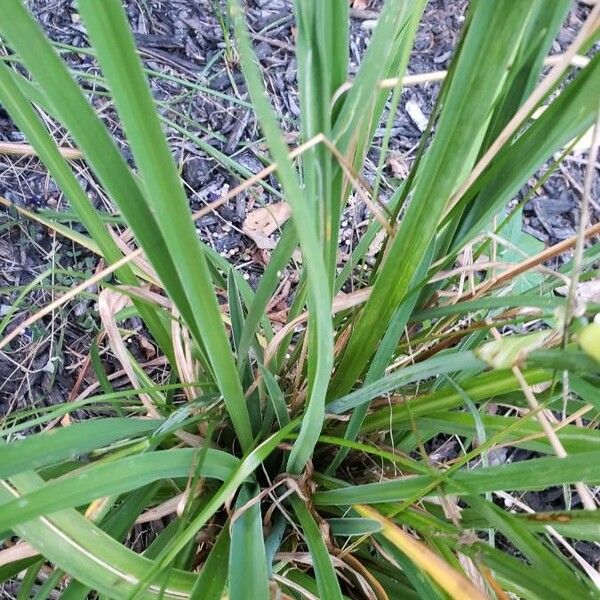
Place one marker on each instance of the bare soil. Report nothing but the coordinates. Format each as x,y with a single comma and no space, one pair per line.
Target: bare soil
183,43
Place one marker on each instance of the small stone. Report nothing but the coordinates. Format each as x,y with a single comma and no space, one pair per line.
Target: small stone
416,115
195,171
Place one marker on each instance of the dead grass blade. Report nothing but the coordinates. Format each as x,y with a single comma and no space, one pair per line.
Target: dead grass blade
40,314
110,303
18,551
529,263
187,367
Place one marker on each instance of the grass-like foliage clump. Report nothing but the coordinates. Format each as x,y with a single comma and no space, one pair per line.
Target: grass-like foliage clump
296,460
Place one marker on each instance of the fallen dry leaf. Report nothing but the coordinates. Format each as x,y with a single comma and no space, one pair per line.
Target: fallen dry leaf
578,146
264,221
147,347
110,302
377,244
587,291
399,167
416,115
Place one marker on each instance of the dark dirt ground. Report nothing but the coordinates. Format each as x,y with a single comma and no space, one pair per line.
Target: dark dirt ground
183,43
178,39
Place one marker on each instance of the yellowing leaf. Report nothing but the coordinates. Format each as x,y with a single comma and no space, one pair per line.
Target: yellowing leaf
510,351
450,580
589,340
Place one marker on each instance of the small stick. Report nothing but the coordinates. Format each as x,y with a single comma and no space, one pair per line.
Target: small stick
540,415
530,263
584,216
17,149
64,298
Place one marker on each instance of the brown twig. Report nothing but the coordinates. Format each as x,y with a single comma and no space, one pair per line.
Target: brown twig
542,418
17,149
584,215
530,263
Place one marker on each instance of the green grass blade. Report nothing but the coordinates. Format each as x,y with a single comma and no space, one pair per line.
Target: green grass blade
358,114
567,117
112,478
479,388
117,524
353,526
327,580
535,551
425,588
276,397
24,115
229,487
72,109
266,288
12,569
576,524
213,577
535,474
248,576
76,545
517,577
381,360
480,70
484,304
437,365
321,347
527,434
44,449
29,122
163,191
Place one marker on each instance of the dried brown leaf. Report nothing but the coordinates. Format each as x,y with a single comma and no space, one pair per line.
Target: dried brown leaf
587,291
264,221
